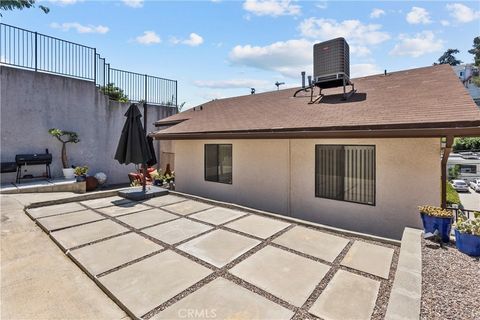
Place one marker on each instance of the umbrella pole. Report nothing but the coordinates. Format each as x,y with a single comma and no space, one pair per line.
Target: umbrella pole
144,184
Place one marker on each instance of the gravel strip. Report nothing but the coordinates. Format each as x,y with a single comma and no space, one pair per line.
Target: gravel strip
450,283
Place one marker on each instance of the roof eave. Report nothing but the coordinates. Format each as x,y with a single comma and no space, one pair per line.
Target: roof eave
326,134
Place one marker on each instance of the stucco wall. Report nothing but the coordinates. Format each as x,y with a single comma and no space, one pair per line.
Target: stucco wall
278,176
31,103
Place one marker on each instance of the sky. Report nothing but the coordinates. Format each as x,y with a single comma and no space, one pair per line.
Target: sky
220,48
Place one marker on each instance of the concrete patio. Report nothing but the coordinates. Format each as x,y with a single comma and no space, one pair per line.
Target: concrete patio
173,257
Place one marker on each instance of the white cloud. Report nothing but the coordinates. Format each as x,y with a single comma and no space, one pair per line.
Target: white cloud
377,13
353,30
79,27
286,57
193,40
65,2
461,13
445,23
360,51
418,45
272,8
148,37
231,83
418,15
363,69
322,5
133,3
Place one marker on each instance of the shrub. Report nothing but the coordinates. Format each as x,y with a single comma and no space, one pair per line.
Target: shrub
452,195
469,226
435,211
81,171
114,93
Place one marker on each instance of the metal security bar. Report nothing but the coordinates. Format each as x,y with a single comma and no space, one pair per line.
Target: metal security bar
26,49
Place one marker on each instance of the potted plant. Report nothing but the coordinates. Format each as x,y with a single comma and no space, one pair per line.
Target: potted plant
436,218
467,234
81,173
65,137
157,177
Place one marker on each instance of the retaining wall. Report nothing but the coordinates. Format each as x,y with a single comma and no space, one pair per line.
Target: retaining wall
32,102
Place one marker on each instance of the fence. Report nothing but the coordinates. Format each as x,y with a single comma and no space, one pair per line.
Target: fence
35,51
470,214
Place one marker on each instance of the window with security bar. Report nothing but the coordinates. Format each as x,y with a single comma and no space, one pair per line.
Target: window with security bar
345,173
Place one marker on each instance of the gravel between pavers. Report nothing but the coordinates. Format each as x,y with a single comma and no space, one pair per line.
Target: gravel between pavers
300,312
450,283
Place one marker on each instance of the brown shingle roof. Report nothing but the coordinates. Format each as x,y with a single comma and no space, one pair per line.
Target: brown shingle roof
430,97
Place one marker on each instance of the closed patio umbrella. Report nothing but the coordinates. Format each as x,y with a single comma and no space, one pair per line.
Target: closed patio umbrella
133,145
153,160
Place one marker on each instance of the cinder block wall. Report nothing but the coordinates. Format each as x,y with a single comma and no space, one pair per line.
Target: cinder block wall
32,102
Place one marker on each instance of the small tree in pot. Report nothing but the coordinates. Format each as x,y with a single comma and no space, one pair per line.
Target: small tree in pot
65,137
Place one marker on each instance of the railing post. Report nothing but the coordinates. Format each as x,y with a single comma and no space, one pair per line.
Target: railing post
95,66
176,94
36,37
108,74
145,98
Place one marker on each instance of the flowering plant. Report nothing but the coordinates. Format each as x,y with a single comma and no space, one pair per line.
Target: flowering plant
435,211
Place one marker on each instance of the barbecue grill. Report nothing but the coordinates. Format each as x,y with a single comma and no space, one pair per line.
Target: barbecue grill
32,160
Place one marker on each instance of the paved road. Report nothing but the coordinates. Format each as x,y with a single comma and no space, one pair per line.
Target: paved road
470,200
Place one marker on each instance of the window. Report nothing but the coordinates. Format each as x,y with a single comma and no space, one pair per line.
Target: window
467,168
345,172
218,163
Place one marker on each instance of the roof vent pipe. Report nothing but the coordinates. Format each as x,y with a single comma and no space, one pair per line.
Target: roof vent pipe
303,79
309,81
252,90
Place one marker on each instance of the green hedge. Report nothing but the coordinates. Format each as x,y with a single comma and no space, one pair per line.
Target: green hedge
452,195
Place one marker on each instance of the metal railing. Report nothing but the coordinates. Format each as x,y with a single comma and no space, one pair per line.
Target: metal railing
35,51
457,211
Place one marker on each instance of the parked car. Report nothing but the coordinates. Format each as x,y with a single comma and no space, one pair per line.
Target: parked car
460,186
475,185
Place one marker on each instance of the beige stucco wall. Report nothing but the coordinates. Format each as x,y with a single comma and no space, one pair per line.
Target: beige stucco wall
278,176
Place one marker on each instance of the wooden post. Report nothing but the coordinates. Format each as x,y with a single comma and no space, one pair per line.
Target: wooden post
446,153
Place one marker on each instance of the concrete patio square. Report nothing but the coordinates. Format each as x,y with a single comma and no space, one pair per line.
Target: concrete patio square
55,209
75,236
105,202
223,299
105,255
281,273
147,218
318,244
258,226
53,223
175,231
347,296
163,200
218,247
187,207
218,215
369,258
125,208
144,285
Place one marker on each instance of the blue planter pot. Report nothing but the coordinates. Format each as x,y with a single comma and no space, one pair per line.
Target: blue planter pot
443,225
468,243
80,178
